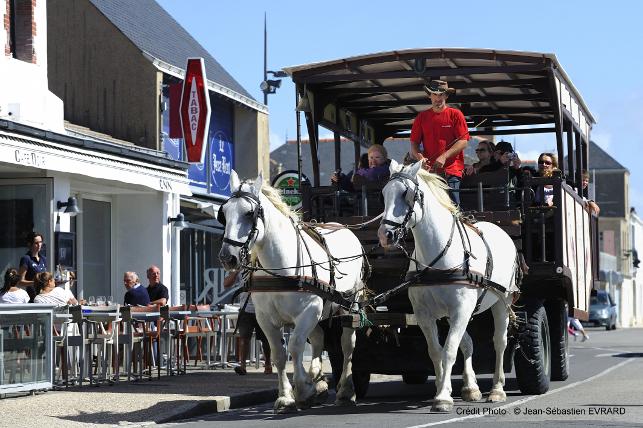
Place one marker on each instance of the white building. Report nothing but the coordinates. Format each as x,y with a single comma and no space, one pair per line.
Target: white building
125,193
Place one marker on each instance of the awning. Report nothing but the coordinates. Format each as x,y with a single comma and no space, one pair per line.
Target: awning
39,153
210,209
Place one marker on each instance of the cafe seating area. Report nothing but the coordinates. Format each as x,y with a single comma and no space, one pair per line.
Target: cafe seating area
96,345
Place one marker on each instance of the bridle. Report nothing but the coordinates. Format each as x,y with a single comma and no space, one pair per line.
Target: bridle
411,196
257,214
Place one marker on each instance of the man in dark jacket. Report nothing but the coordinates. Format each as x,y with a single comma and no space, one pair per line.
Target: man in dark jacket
136,294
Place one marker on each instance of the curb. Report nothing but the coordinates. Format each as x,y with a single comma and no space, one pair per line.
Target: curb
223,403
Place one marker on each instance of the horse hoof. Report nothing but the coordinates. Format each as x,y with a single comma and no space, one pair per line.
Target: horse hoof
285,405
442,407
471,394
321,392
496,396
345,402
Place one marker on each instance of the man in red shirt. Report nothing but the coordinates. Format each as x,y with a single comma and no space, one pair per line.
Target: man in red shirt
443,133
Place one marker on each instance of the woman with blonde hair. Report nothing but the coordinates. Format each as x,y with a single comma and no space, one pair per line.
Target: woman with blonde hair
547,165
49,293
377,171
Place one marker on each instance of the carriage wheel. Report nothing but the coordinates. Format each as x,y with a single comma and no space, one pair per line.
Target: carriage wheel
532,358
557,318
415,378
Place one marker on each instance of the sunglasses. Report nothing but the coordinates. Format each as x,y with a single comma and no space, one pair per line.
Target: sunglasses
544,162
480,150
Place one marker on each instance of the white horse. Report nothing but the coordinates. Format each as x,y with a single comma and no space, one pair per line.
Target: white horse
258,221
418,200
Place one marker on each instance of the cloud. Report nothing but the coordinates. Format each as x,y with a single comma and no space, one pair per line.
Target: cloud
603,139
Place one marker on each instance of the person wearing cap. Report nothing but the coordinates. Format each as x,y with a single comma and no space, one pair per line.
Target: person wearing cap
507,158
443,133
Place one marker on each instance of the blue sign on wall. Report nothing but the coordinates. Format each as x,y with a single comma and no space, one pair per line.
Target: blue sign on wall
221,150
221,157
213,176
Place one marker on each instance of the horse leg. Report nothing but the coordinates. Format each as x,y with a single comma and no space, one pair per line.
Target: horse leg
430,330
459,318
470,390
500,322
346,389
304,388
285,402
316,372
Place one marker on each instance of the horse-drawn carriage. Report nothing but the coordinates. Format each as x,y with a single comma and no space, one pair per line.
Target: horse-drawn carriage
372,98
458,263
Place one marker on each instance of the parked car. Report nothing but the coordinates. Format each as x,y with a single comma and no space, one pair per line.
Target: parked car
602,310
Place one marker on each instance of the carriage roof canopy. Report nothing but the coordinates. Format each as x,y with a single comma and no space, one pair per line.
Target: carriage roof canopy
499,90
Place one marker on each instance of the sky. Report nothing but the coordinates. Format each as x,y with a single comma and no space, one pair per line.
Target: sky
597,43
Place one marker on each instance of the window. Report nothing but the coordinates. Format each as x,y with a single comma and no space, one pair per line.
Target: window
96,248
26,207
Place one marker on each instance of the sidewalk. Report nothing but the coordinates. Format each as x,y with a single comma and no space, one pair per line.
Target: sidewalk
145,402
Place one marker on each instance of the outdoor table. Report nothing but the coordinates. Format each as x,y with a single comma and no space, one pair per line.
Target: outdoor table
222,332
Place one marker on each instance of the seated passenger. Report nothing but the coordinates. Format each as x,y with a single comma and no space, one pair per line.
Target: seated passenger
49,293
10,292
547,165
377,171
590,205
485,153
506,158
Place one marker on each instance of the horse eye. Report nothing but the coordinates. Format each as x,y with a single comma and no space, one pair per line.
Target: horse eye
249,214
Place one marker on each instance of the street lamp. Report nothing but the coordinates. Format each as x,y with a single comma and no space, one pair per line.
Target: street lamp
269,86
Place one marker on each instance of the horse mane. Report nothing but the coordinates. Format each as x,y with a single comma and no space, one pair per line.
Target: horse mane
439,187
274,196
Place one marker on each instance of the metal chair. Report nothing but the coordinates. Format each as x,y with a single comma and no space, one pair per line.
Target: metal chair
150,332
173,330
199,327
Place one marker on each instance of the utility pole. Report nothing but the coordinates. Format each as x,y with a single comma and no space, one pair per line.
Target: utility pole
265,56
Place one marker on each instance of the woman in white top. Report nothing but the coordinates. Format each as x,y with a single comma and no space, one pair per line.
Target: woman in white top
10,292
49,293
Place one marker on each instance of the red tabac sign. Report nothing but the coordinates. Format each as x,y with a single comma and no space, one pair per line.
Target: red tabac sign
195,110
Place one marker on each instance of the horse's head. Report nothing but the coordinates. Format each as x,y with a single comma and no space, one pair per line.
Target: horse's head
403,203
243,218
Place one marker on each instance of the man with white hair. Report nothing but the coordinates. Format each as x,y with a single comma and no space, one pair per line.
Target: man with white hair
136,294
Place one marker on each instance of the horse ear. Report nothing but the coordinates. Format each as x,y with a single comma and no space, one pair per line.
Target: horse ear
393,167
235,183
258,183
413,169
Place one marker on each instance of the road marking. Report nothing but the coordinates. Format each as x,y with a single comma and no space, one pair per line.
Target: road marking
525,400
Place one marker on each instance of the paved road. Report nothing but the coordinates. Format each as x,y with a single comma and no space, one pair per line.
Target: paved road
604,389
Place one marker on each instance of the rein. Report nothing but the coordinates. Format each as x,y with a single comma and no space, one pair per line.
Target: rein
299,282
430,275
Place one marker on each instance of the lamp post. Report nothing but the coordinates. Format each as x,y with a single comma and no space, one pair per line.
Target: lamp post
177,224
268,86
